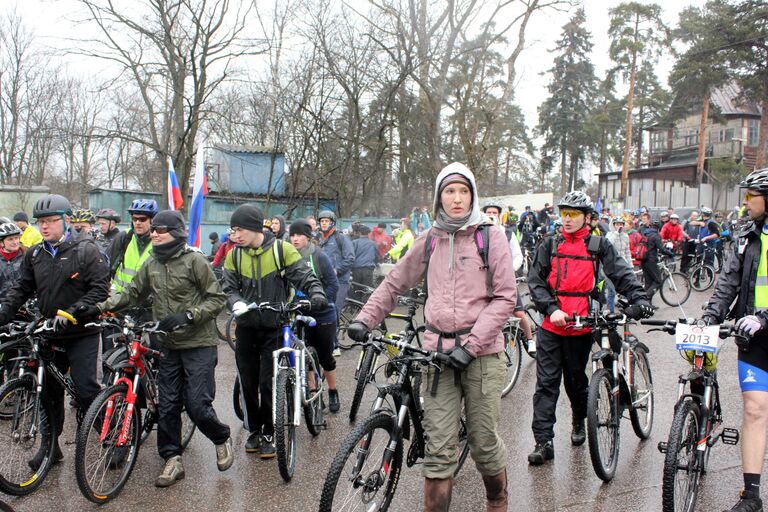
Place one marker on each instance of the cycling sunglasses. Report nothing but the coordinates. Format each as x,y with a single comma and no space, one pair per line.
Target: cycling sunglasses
573,214
160,230
139,218
749,195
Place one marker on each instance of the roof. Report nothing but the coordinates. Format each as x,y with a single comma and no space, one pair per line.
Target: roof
727,99
231,148
675,161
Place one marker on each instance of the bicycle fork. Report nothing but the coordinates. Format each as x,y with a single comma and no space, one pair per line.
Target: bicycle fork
130,398
297,359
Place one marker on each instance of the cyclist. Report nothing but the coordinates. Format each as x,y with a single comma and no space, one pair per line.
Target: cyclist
338,247
464,319
12,255
279,227
690,235
366,257
743,279
402,241
382,240
29,234
650,264
709,236
108,230
619,239
130,249
557,293
83,221
260,268
215,244
188,298
528,228
65,272
323,334
672,233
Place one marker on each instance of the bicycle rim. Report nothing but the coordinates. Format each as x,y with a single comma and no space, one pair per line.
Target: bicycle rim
285,430
347,314
702,278
357,479
363,378
513,353
676,289
22,436
231,332
102,465
313,411
641,414
680,484
603,425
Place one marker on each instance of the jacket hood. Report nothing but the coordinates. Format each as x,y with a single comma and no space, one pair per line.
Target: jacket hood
475,216
283,227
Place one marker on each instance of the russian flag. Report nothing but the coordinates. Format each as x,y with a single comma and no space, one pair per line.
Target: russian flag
175,199
199,191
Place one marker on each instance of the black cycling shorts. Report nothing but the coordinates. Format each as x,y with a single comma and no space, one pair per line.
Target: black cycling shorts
321,338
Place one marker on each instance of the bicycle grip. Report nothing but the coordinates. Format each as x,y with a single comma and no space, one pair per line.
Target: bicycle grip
660,323
64,314
442,358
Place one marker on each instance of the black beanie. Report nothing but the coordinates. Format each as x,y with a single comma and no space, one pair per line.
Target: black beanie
21,216
247,216
364,230
173,220
300,227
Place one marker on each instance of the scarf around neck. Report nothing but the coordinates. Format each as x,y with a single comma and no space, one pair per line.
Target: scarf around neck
163,253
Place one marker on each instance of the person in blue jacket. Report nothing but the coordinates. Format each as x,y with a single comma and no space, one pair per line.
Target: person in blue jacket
366,257
323,335
338,247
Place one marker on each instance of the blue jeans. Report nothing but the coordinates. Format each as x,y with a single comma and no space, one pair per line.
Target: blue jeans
610,294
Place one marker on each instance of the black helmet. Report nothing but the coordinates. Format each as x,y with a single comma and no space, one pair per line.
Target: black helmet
52,204
146,207
576,200
756,180
109,214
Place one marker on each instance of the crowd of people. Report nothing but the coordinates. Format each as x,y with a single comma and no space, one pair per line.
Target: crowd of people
466,257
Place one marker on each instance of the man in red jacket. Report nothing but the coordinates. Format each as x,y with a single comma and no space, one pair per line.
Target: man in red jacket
382,240
672,232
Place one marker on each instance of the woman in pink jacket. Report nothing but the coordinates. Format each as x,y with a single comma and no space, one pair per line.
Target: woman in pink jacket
464,314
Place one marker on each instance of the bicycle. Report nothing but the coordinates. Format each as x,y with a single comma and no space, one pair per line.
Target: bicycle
354,303
514,343
29,426
675,286
621,379
294,362
380,439
698,420
702,274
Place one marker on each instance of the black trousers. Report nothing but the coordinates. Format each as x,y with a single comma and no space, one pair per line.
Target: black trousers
253,354
187,377
559,356
689,250
81,358
363,275
652,276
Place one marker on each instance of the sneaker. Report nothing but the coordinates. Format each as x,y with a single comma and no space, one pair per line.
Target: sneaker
747,503
579,433
253,444
225,455
35,462
333,401
267,447
337,352
172,472
541,454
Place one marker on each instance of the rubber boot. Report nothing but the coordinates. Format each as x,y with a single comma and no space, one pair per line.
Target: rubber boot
437,494
496,492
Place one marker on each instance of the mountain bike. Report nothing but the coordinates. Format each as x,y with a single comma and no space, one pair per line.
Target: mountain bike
621,379
698,419
702,274
366,469
514,343
298,383
675,286
356,299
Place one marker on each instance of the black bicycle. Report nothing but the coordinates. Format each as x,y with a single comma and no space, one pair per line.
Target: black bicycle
698,417
366,469
356,299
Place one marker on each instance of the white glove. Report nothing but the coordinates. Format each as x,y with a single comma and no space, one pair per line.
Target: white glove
749,325
239,308
669,246
60,323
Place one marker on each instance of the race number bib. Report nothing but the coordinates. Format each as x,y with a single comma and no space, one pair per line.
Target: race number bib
693,337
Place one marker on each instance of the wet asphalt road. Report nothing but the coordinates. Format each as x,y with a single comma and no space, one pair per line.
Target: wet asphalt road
568,484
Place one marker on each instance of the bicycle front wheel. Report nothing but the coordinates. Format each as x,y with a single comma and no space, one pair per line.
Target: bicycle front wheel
675,289
603,425
702,278
346,315
359,477
285,430
313,411
513,353
641,413
680,485
231,332
364,374
102,463
26,442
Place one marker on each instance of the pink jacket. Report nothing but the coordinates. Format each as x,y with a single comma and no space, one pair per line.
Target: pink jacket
457,295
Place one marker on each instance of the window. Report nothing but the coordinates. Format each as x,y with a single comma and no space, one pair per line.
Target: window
753,134
725,135
658,142
691,138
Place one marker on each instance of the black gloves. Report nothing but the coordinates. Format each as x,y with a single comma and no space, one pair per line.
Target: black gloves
6,315
358,331
639,310
460,357
318,302
84,312
175,321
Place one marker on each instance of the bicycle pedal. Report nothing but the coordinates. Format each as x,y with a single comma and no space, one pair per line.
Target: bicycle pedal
730,436
662,446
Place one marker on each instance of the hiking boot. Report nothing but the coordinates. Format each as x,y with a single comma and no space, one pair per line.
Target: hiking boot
333,401
337,352
37,461
579,433
496,492
172,472
541,454
747,503
267,447
253,444
224,455
437,494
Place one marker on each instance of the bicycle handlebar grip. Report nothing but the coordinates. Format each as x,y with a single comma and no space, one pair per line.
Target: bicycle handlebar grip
64,314
442,358
659,323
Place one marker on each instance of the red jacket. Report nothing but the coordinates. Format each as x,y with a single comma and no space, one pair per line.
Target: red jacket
572,277
221,254
672,233
382,240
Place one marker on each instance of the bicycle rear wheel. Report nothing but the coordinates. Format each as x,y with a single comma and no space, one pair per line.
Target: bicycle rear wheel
285,430
346,315
702,277
675,289
313,411
9,367
358,479
231,332
682,473
603,425
102,464
25,433
642,396
364,375
513,353
221,328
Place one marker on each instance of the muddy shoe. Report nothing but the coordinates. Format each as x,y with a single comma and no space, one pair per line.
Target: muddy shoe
541,454
172,472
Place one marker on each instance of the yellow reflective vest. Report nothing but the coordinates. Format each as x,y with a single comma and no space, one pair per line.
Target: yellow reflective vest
132,262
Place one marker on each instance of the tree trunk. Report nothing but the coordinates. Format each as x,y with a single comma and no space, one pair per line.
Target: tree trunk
762,144
639,149
702,139
563,173
628,142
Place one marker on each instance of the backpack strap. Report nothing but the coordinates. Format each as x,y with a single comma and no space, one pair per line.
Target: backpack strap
429,245
482,238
